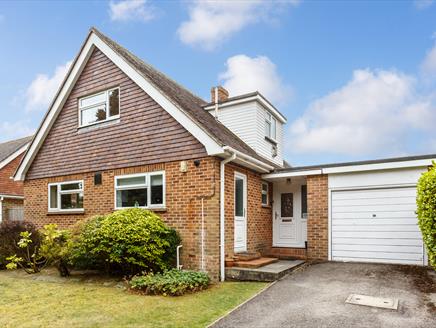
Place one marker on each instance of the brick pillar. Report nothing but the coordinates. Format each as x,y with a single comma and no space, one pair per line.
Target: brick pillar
317,222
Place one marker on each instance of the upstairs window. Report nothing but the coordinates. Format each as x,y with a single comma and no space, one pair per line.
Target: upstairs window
270,126
140,190
100,107
265,194
65,196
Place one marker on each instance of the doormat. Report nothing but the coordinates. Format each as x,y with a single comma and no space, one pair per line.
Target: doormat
379,302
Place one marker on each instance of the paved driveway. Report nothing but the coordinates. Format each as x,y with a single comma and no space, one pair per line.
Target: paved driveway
314,297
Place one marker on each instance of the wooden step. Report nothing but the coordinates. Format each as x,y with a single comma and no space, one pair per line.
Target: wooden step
256,263
246,256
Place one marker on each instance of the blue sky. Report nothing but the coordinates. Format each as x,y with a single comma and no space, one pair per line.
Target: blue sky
357,80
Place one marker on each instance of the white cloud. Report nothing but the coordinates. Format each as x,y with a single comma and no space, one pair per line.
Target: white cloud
42,89
14,130
428,66
213,22
373,114
131,10
423,4
245,74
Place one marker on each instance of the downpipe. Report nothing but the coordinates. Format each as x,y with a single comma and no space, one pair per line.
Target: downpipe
222,215
179,266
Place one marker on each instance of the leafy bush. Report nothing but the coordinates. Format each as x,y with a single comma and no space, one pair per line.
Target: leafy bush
9,237
127,241
174,282
426,203
54,248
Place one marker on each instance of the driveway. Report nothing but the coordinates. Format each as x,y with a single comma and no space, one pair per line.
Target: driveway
314,296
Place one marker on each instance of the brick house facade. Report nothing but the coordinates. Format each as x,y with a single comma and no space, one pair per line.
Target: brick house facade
160,127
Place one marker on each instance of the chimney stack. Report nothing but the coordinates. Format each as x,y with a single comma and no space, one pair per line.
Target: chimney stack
223,94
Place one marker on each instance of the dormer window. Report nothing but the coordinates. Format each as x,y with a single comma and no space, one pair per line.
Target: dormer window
99,107
270,126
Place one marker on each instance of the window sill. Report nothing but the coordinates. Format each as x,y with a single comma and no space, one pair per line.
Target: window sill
153,209
271,140
98,125
266,206
66,212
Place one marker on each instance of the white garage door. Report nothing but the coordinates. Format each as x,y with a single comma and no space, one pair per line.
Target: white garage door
376,225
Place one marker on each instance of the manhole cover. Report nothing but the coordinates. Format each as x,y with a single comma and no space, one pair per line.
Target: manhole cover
380,302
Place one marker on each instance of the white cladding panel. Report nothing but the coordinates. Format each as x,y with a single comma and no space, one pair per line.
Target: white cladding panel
264,147
247,121
376,225
241,120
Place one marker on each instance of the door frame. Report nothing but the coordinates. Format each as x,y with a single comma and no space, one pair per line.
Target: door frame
242,176
298,220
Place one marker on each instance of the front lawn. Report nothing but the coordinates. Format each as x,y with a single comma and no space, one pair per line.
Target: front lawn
44,300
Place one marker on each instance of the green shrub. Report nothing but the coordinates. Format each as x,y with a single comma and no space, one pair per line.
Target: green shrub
126,242
9,237
174,282
426,204
54,248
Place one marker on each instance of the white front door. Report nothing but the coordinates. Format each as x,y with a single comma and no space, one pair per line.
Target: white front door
240,226
290,214
285,222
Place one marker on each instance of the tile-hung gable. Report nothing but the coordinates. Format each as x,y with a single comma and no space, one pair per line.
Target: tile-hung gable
201,135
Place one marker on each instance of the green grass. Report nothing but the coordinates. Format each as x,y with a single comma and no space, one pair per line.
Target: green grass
48,301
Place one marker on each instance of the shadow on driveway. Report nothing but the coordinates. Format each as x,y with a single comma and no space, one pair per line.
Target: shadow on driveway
315,297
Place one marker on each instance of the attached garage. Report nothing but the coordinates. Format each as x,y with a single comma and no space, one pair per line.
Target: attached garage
372,216
376,225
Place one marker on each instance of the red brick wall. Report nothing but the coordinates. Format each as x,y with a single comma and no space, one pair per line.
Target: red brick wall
317,222
183,203
7,185
259,218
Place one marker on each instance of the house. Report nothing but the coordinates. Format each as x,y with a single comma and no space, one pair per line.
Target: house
11,192
121,134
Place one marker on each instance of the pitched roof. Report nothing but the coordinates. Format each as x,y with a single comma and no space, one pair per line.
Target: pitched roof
9,147
189,103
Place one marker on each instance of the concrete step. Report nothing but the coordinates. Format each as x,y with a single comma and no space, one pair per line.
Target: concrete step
255,263
270,272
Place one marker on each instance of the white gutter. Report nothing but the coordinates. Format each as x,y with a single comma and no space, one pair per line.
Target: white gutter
11,196
291,174
222,215
246,158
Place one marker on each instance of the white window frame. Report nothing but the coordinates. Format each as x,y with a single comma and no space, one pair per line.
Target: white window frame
104,103
265,193
272,123
147,186
66,192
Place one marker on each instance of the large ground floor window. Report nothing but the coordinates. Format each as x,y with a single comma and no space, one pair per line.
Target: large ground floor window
65,196
146,190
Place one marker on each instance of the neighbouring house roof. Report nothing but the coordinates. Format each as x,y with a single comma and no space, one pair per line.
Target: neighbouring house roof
184,99
8,148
